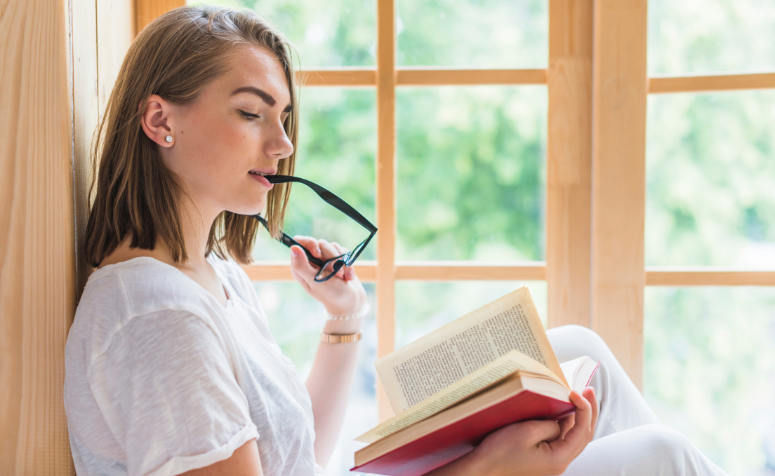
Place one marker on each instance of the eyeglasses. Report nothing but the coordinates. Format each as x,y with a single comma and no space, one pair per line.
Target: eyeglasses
328,268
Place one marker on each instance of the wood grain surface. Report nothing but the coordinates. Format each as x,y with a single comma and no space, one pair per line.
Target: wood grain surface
619,179
569,163
37,258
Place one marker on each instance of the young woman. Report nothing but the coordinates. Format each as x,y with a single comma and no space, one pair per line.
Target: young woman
170,365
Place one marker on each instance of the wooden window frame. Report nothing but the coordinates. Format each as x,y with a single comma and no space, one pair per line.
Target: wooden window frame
595,199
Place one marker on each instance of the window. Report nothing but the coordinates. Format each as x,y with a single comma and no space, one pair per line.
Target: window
709,360
477,164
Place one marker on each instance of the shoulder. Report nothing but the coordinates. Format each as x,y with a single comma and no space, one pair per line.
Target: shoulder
118,294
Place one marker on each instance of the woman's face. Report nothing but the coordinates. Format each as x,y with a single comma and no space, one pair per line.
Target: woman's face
232,133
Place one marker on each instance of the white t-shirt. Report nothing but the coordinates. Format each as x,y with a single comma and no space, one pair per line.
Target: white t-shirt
161,379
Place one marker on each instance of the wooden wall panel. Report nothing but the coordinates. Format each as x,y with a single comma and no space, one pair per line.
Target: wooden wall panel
569,162
619,178
37,270
115,31
86,115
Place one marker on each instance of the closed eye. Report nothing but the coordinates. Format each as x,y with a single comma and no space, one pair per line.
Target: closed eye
248,115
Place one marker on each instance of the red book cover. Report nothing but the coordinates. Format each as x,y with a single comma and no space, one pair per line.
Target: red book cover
460,437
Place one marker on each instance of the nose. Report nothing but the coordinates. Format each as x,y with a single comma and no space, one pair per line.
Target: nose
278,146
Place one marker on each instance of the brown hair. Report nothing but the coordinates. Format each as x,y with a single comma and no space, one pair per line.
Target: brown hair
134,194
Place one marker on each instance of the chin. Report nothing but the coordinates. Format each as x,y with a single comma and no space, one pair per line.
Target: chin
247,208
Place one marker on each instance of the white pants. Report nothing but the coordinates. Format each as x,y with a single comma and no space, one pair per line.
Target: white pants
629,440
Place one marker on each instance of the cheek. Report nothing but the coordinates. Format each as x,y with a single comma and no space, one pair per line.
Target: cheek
217,147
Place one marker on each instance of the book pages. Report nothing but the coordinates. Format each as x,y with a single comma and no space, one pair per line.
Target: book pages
495,372
434,362
579,372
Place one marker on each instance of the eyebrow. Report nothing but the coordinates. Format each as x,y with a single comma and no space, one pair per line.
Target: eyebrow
262,94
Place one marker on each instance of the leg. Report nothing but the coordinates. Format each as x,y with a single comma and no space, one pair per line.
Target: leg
621,406
649,449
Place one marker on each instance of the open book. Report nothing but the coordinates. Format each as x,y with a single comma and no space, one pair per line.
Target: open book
452,387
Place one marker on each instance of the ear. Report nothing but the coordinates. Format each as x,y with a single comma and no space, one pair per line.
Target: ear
156,121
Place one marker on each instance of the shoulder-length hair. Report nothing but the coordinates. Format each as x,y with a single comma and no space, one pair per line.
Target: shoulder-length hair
133,193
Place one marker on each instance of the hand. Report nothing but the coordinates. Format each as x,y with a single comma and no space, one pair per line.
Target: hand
534,447
541,447
342,294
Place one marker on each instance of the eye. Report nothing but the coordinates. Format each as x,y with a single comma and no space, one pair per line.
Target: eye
248,115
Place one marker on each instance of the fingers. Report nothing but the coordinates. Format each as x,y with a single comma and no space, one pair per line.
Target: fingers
566,424
301,269
324,250
311,244
589,394
538,431
583,430
346,273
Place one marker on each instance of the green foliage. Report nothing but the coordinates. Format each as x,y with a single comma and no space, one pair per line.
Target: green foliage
709,362
472,33
710,176
710,370
710,36
471,173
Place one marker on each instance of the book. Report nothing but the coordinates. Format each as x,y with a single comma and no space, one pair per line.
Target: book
454,386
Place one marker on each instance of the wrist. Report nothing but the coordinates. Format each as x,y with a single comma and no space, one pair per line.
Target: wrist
344,314
343,327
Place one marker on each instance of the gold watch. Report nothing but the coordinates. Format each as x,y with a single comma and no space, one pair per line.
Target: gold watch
339,338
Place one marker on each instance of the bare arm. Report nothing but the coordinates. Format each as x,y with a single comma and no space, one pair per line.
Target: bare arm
329,384
243,462
333,369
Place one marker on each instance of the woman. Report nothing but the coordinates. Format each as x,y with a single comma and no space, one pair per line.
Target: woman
170,365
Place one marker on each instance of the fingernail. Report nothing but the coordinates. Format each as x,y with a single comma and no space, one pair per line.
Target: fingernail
295,252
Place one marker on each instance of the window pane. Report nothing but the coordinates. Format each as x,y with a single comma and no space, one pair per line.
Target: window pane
422,306
337,143
710,371
471,173
710,176
330,33
473,33
296,320
700,36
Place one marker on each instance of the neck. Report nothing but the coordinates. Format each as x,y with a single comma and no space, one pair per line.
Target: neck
196,220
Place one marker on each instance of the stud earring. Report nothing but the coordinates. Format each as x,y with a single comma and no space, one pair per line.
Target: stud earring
168,138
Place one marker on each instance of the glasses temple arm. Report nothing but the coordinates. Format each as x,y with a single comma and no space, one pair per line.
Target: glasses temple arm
328,197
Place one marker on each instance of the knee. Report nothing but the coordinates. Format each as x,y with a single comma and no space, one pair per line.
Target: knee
583,339
666,442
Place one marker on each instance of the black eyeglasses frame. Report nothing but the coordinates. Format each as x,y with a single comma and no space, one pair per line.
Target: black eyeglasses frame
346,259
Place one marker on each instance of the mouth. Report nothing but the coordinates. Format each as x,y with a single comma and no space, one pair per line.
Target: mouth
260,176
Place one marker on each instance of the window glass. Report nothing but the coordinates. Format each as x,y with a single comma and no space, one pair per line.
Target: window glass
324,34
710,371
710,176
473,33
471,173
296,320
424,306
337,143
710,36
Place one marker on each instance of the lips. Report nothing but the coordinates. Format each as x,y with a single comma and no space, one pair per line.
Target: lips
260,177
